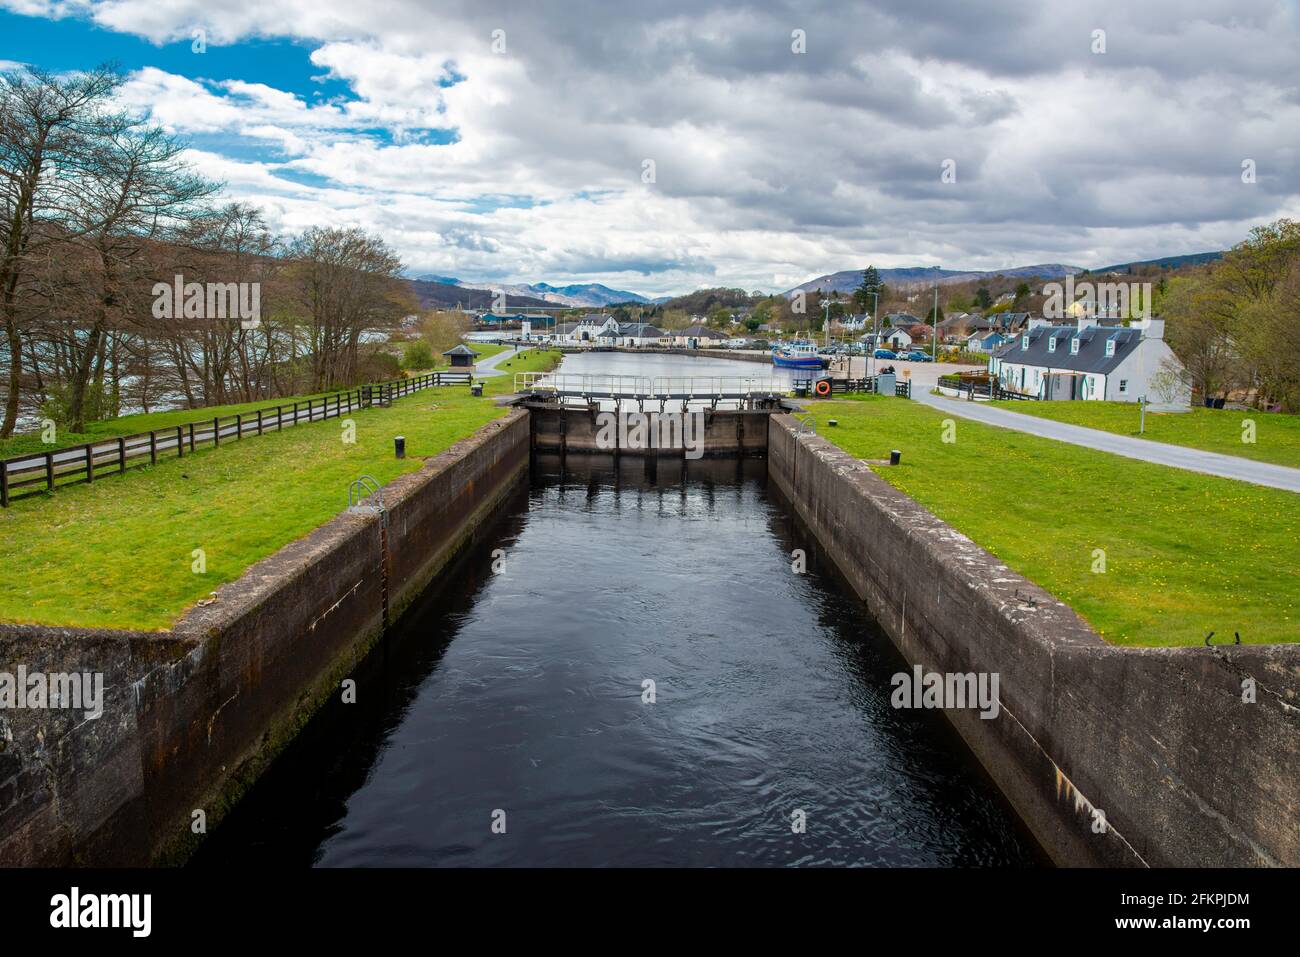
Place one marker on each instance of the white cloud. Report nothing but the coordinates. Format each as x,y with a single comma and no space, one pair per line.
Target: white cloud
768,163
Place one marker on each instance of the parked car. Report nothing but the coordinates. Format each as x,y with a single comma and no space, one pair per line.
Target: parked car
918,357
884,354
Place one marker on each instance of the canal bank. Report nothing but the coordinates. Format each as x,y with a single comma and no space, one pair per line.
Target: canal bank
628,670
1112,756
193,715
1155,745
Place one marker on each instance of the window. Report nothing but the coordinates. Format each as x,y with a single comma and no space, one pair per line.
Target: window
1051,344
1123,386
1110,348
1074,346
1024,343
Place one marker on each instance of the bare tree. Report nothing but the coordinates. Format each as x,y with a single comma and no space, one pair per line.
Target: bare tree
47,124
347,283
137,189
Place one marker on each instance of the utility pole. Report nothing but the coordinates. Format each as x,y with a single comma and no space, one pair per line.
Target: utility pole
875,331
934,328
826,323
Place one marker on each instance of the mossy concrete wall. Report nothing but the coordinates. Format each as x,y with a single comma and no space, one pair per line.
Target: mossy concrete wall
194,714
1159,740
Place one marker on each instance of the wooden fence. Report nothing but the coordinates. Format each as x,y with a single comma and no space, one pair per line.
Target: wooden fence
988,388
74,464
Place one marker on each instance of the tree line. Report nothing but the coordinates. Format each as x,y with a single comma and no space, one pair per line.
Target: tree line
1235,323
102,217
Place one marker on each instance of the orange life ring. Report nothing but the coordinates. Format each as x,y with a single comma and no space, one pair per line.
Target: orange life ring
823,387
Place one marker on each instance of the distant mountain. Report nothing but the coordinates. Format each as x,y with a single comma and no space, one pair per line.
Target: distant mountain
849,279
1168,262
442,295
586,294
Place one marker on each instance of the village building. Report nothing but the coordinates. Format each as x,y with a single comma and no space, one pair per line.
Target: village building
1091,361
697,337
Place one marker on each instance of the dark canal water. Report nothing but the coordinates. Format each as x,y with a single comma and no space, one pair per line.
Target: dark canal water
522,691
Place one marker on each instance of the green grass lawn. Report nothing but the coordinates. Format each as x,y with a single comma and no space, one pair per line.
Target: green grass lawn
117,553
1185,553
533,360
1277,436
487,350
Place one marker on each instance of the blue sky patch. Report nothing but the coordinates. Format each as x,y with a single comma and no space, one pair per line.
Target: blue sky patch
75,44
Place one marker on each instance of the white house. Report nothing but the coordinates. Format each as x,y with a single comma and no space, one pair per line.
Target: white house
697,337
586,329
639,334
1091,361
897,339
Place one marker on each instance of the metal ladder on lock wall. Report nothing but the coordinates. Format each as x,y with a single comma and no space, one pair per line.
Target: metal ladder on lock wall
366,497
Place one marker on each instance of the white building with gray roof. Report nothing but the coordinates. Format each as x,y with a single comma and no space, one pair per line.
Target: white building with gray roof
1090,361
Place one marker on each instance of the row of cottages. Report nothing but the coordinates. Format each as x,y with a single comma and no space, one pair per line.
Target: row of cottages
634,334
1092,361
601,329
982,333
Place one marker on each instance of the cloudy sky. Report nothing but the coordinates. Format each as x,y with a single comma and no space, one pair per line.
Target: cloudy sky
496,144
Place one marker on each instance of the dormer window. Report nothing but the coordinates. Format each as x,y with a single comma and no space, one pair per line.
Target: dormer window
1074,346
1051,344
1110,348
1024,343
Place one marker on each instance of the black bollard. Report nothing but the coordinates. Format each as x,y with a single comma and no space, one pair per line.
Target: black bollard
895,456
399,444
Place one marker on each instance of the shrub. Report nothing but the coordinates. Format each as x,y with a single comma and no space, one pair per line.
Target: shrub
417,355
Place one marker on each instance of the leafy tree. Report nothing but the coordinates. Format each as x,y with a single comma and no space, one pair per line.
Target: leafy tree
983,298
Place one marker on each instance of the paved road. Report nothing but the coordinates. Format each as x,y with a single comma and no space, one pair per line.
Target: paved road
488,367
1177,456
924,376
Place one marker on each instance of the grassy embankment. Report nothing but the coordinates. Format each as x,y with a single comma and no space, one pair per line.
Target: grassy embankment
1185,553
118,553
1276,435
27,442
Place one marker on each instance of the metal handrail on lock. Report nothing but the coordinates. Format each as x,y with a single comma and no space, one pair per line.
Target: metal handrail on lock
371,488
